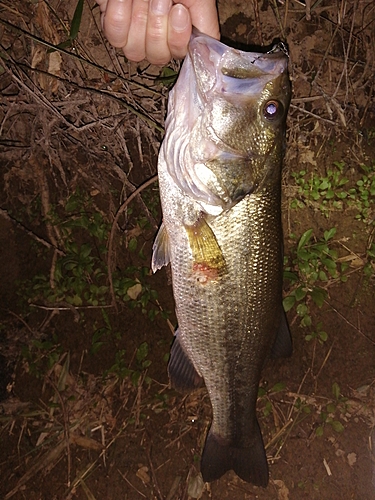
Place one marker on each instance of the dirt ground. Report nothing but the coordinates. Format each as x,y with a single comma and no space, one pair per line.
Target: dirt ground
85,329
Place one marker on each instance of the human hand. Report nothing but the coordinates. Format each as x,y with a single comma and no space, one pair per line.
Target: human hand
156,30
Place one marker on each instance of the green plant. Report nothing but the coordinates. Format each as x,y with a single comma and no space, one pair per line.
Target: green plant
80,273
331,412
369,267
325,193
265,394
335,191
121,368
309,268
362,195
41,355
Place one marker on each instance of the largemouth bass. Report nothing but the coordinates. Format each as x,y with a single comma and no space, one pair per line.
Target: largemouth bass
220,186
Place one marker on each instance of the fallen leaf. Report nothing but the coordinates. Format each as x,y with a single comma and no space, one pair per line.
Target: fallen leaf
283,491
134,291
196,486
352,458
142,473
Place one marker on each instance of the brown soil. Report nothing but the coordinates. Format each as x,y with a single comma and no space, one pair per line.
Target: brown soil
83,413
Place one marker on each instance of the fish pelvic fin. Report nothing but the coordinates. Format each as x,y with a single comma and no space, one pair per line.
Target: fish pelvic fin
208,260
249,463
182,373
160,250
282,347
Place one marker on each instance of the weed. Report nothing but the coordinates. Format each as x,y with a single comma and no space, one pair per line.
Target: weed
331,411
121,368
369,267
265,395
41,355
334,191
80,275
309,269
362,195
326,193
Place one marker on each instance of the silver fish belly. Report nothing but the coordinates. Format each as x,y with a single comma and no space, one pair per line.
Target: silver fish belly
220,183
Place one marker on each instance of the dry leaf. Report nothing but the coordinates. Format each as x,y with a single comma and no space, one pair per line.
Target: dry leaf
134,291
142,473
283,491
352,458
196,486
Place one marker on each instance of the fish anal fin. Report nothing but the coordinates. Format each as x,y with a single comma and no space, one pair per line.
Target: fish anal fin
282,347
182,373
208,259
249,463
160,250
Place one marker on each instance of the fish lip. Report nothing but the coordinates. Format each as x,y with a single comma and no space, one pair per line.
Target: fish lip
252,64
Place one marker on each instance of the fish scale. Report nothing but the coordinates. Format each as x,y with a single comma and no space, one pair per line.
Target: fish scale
220,186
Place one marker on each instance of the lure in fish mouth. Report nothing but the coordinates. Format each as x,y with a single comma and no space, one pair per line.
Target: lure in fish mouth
220,187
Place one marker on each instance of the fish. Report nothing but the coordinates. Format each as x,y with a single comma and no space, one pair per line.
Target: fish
219,172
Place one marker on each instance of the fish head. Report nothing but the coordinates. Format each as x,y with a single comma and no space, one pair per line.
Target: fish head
228,113
245,95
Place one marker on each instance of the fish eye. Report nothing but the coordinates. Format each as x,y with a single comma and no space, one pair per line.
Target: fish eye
272,109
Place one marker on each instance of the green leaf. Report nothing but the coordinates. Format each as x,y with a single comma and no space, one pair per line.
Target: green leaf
132,245
337,426
306,320
280,386
142,352
318,295
167,76
76,21
289,302
300,293
302,309
319,431
336,390
85,250
323,336
304,239
330,234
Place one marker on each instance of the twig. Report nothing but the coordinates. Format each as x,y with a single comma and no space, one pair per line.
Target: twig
130,484
154,477
52,47
331,122
322,365
349,323
30,233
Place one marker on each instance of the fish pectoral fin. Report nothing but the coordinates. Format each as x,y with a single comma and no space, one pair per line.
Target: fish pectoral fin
249,463
160,250
182,373
282,347
207,255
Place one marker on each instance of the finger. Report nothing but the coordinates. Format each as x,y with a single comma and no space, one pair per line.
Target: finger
179,31
135,48
157,49
204,16
116,20
102,5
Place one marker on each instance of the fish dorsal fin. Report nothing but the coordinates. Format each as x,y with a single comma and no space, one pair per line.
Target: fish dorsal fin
182,373
160,250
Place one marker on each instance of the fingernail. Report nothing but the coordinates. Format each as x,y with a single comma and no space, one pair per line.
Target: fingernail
179,18
160,7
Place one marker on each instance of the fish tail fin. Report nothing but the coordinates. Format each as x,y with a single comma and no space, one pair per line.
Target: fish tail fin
282,347
249,463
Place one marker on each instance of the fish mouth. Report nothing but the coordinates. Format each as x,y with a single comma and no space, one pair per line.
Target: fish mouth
238,72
